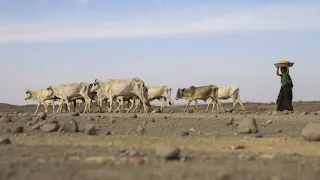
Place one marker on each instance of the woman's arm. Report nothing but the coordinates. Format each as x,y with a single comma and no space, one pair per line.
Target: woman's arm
278,71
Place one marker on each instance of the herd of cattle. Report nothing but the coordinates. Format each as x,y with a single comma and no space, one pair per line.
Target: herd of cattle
130,92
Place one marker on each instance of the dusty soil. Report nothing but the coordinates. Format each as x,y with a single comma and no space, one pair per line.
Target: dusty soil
124,146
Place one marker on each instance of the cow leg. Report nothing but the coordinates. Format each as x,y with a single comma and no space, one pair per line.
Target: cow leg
219,106
137,104
185,109
214,105
60,106
134,101
171,103
53,107
75,109
162,103
111,104
37,108
45,107
197,106
241,104
209,102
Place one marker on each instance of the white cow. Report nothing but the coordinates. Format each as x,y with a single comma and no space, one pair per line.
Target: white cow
99,97
69,92
161,93
122,87
226,92
41,96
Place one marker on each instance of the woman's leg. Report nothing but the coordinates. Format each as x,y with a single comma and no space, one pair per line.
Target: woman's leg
287,96
280,100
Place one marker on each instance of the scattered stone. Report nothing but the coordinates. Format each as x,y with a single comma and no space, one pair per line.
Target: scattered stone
165,117
279,130
107,133
153,120
133,116
269,122
7,130
133,153
285,112
5,119
259,135
167,152
112,120
248,126
267,156
34,121
303,113
42,115
190,111
237,147
140,129
183,133
318,112
192,129
75,114
274,113
49,127
5,140
311,132
69,126
89,118
18,129
90,130
229,121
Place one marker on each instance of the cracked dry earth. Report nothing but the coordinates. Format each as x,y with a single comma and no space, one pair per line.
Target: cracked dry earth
126,147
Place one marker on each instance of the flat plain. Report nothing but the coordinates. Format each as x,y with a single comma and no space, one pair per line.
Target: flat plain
125,146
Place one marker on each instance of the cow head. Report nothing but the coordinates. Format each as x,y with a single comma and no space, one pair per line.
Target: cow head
94,86
179,93
27,95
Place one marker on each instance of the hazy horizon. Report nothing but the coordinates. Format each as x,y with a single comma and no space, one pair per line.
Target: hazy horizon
178,43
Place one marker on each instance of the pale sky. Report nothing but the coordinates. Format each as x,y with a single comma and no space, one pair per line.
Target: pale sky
173,42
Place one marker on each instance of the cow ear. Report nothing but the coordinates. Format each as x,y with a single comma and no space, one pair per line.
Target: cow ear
28,91
96,80
183,89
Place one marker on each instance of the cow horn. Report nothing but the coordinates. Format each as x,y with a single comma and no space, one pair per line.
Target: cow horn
28,91
95,80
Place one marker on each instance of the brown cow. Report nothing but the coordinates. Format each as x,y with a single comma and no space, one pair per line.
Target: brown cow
198,93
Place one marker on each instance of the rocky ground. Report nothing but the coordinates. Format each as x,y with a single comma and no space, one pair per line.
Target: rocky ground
255,144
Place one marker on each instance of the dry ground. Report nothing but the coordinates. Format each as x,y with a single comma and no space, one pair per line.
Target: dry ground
123,147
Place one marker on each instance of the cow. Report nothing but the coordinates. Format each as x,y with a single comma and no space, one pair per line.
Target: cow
226,92
70,92
98,97
121,87
198,93
161,93
40,96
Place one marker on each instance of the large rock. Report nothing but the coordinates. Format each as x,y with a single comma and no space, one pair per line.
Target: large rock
5,119
311,132
167,152
5,140
69,125
49,127
90,129
17,130
248,126
42,115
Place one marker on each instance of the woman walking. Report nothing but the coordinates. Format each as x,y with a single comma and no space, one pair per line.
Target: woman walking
284,101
